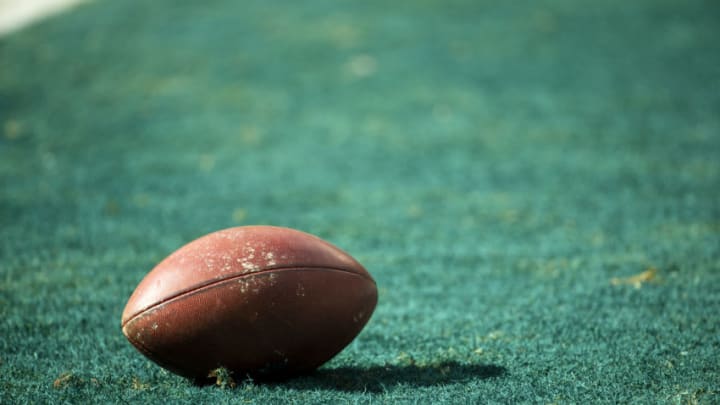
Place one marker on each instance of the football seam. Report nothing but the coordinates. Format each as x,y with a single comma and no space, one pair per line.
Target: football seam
239,276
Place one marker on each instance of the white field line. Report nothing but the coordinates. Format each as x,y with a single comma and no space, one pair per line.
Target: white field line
16,14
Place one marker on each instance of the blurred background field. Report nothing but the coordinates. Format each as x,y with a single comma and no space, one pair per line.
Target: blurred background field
534,185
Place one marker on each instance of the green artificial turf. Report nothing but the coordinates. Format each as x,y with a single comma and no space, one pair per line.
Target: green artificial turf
502,169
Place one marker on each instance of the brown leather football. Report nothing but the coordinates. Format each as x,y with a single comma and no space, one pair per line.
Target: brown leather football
261,301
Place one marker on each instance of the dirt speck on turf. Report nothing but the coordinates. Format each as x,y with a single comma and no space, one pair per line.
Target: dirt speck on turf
223,378
64,380
12,129
637,280
139,385
405,359
67,379
112,208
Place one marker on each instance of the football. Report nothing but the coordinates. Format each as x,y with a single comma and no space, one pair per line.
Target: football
259,301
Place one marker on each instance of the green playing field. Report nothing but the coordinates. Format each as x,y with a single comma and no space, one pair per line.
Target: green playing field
535,186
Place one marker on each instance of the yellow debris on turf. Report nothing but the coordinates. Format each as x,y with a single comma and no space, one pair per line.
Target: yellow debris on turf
139,385
223,378
63,380
239,214
636,280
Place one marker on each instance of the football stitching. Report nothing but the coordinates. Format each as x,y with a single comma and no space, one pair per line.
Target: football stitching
215,282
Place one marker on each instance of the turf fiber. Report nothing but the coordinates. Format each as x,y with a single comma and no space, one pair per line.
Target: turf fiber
535,186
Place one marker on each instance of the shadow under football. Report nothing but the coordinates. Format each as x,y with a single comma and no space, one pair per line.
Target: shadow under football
385,377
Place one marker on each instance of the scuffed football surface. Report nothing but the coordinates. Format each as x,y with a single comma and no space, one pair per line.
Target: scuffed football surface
258,300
